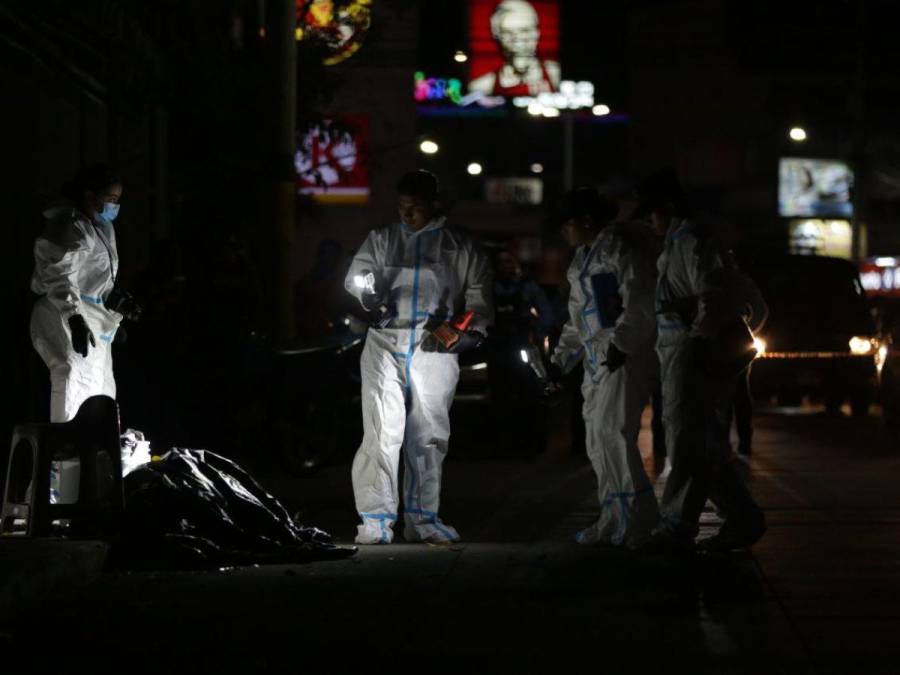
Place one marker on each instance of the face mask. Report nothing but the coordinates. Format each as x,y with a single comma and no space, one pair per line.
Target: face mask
110,211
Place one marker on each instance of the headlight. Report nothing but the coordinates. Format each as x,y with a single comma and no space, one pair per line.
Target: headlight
759,345
881,357
861,345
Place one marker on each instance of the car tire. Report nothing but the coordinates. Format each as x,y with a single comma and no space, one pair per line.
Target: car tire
790,399
860,402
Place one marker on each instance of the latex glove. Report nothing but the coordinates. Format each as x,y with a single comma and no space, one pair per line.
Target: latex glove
554,375
81,334
123,302
469,339
464,340
369,301
615,358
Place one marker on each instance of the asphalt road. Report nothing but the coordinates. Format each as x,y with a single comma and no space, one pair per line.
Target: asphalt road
818,594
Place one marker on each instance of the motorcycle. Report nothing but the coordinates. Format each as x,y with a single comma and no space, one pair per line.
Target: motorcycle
316,407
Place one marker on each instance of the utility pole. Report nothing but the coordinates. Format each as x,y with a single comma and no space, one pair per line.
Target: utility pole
283,184
857,105
568,150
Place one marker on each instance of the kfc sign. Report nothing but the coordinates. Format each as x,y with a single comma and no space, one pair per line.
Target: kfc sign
514,47
331,160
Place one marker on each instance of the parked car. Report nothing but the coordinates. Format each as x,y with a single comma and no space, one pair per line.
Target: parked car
820,339
887,314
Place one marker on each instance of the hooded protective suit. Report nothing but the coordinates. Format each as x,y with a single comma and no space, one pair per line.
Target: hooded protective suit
699,290
406,391
75,269
611,301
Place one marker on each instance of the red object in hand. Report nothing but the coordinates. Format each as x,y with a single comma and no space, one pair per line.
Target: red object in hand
462,323
448,333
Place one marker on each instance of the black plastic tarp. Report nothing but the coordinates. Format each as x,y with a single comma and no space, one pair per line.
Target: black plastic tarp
194,508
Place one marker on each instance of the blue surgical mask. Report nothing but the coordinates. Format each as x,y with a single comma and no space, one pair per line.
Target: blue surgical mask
110,211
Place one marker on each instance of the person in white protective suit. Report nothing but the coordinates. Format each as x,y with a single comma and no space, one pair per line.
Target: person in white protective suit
75,269
611,330
412,276
701,298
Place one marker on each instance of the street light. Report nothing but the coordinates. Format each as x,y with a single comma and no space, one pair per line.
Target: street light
474,169
600,110
428,147
537,167
798,134
460,56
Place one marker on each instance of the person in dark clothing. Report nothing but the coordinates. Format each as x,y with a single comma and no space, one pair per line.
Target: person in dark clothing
523,317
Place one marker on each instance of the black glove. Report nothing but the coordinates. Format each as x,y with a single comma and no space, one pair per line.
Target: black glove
615,358
123,302
369,301
469,339
81,334
466,340
554,374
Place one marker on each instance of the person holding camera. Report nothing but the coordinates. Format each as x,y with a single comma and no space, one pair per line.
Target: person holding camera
414,278
75,320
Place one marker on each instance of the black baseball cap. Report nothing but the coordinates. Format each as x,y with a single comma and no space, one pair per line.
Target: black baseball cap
658,189
587,202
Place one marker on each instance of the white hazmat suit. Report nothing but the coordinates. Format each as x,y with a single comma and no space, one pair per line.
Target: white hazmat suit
611,301
407,392
698,291
75,269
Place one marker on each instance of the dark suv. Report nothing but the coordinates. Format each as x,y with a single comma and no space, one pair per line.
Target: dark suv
820,339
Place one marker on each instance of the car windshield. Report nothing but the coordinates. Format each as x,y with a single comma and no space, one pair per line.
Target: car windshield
823,295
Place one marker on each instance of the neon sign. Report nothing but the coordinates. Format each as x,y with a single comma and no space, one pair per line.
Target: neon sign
571,96
881,276
449,90
438,89
331,160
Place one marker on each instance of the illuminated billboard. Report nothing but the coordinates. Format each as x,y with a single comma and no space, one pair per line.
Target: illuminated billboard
514,47
331,160
813,236
881,276
341,27
514,191
818,188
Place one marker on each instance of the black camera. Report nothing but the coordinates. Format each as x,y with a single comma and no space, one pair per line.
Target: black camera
123,302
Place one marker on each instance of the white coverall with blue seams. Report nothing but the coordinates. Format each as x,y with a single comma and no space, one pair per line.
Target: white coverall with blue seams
407,392
75,266
699,289
611,301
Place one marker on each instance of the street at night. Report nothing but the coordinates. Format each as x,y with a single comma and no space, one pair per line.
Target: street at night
515,336
818,594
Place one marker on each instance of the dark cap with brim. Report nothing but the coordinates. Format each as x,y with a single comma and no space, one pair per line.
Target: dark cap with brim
657,190
587,202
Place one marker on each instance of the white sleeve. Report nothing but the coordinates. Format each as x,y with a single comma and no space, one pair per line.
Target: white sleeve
636,271
725,294
58,260
369,258
479,289
569,350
